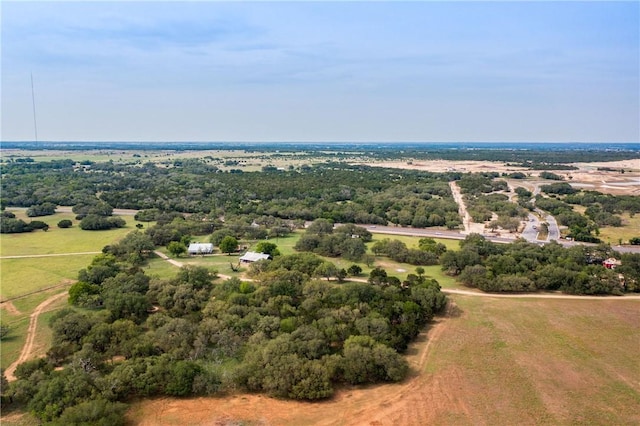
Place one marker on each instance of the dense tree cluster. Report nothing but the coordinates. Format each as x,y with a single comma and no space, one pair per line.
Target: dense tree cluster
607,202
525,267
94,222
560,188
485,200
581,228
550,176
397,250
44,209
347,241
9,224
481,183
339,192
284,333
601,209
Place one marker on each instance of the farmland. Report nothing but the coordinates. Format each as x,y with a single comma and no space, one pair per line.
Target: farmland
487,361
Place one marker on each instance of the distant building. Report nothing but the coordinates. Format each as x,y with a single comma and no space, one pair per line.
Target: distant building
200,248
252,256
611,263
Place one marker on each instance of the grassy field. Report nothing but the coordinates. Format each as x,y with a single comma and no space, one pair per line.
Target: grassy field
17,318
24,275
56,240
630,229
542,361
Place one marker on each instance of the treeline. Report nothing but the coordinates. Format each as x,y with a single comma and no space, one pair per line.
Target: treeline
527,267
9,224
283,333
338,192
533,154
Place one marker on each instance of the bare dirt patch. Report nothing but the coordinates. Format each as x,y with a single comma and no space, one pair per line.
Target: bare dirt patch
491,361
610,181
10,307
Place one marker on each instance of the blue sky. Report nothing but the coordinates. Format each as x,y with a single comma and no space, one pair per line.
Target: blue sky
325,71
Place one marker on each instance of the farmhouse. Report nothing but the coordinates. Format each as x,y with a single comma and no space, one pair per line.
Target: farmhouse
252,256
200,248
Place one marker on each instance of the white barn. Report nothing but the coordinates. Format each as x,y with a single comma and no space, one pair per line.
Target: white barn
200,248
252,256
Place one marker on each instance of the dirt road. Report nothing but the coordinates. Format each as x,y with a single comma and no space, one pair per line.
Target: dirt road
49,255
27,350
469,225
538,295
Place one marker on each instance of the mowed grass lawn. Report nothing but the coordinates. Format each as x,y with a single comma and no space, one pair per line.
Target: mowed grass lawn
539,361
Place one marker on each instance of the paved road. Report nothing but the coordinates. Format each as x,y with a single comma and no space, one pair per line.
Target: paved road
456,235
118,212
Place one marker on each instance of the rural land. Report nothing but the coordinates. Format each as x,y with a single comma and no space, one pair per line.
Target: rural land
319,284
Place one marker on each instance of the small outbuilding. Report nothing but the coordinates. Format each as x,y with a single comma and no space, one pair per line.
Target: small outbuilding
611,263
252,256
200,248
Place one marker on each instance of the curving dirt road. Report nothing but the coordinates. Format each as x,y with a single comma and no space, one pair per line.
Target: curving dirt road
465,292
180,264
537,295
27,349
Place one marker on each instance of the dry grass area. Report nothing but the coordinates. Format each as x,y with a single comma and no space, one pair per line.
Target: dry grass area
630,228
490,361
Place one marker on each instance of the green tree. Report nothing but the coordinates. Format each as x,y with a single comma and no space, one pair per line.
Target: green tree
65,223
366,361
181,379
228,245
267,248
354,270
176,248
326,270
97,412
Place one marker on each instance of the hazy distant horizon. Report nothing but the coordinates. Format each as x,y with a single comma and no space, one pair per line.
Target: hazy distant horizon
602,144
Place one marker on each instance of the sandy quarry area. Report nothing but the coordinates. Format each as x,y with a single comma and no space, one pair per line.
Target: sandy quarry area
587,176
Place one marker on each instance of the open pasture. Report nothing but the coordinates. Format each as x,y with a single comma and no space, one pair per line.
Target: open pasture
57,240
16,314
630,228
27,275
